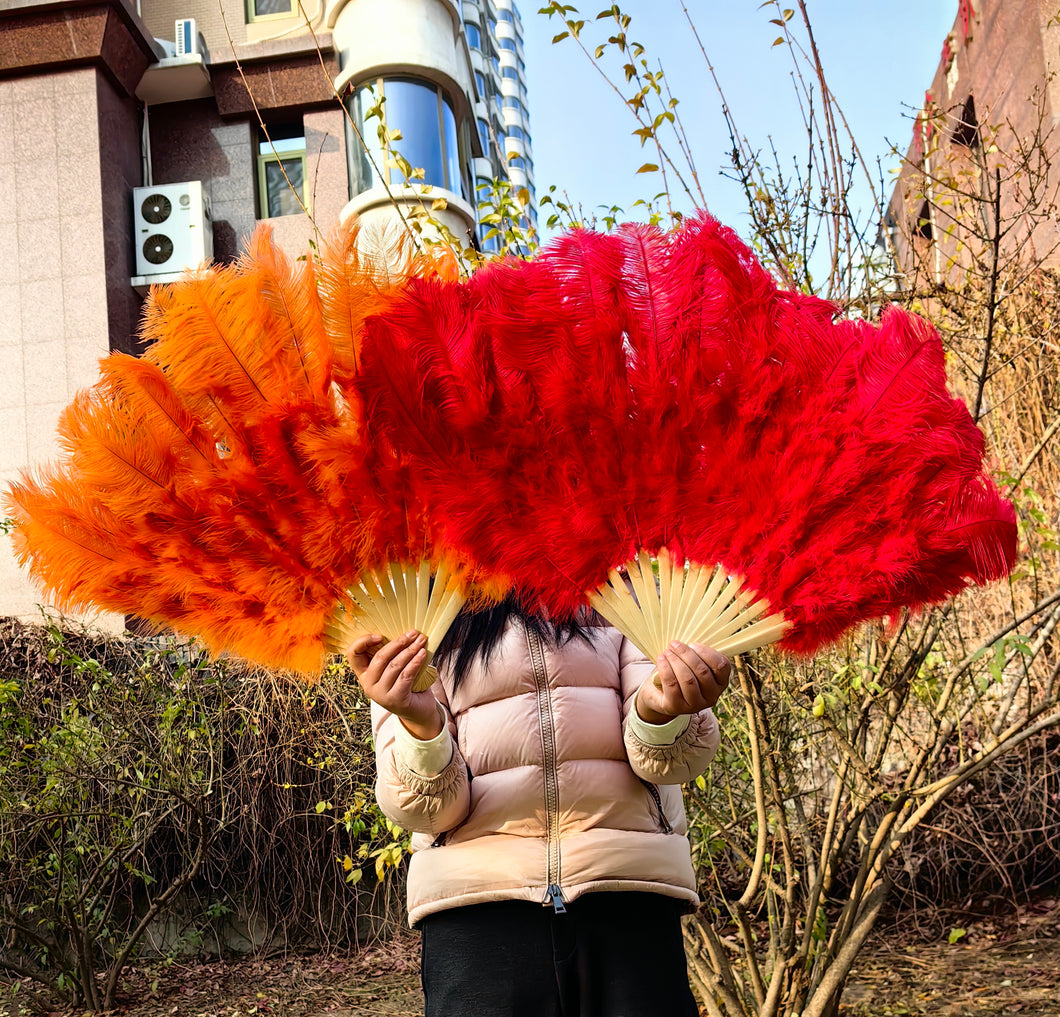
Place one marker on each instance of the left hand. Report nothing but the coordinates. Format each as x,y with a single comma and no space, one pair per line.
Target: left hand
692,677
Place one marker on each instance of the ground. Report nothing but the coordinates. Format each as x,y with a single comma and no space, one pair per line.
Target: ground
996,967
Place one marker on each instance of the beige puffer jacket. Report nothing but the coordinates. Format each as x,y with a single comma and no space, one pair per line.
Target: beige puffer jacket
549,793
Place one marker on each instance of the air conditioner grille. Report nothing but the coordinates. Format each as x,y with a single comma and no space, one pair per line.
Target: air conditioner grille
158,249
171,229
156,208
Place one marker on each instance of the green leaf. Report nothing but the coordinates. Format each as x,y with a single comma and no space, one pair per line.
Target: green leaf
956,934
560,37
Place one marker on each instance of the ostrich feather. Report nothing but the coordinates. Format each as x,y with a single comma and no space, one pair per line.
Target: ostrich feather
507,393
190,493
820,463
640,419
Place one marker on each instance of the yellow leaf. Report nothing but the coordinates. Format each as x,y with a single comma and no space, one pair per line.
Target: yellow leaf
439,205
648,167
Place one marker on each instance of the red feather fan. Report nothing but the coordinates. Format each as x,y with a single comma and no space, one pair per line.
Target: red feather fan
220,484
648,395
509,394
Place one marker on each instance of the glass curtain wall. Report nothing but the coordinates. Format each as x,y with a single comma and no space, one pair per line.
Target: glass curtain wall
424,117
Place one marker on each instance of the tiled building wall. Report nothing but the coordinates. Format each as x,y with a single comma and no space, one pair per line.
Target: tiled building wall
190,141
1006,58
216,21
53,300
326,184
121,169
223,22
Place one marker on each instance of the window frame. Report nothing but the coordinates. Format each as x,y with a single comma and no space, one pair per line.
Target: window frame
253,16
482,127
276,155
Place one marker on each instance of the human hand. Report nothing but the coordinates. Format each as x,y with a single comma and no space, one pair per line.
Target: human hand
688,678
387,671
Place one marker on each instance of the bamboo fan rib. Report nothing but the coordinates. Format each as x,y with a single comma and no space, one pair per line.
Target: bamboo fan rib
692,603
394,600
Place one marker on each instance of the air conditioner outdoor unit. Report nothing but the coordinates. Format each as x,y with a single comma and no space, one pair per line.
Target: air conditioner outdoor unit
188,39
173,229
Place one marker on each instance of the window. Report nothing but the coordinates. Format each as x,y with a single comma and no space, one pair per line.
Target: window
512,102
511,73
506,16
508,44
484,135
281,170
260,10
517,162
474,35
480,85
922,226
967,130
515,132
425,119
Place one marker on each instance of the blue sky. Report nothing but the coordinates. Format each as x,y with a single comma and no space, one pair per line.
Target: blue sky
878,59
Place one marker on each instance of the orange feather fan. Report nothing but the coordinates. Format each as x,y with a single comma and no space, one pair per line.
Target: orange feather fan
219,484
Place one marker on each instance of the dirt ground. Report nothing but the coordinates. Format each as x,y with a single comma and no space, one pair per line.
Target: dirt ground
997,967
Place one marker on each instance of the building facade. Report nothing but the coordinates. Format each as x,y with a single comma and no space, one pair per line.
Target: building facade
494,33
984,145
139,137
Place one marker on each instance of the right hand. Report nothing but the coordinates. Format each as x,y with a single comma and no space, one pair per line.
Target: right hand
387,670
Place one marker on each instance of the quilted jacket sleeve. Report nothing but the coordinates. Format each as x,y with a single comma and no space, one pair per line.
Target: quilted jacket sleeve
685,756
422,802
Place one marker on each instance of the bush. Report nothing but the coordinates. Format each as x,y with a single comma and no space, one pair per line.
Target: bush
149,798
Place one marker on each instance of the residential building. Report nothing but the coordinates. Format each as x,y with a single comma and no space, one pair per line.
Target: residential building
494,33
996,90
138,137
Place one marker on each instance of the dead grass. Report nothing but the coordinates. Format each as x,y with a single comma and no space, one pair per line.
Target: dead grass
1000,966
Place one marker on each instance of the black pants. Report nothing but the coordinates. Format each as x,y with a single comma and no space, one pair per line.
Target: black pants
610,955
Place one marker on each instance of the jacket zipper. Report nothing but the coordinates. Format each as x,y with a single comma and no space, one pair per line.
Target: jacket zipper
554,893
657,798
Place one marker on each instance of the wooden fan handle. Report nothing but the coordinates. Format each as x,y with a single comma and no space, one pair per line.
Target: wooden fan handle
425,679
